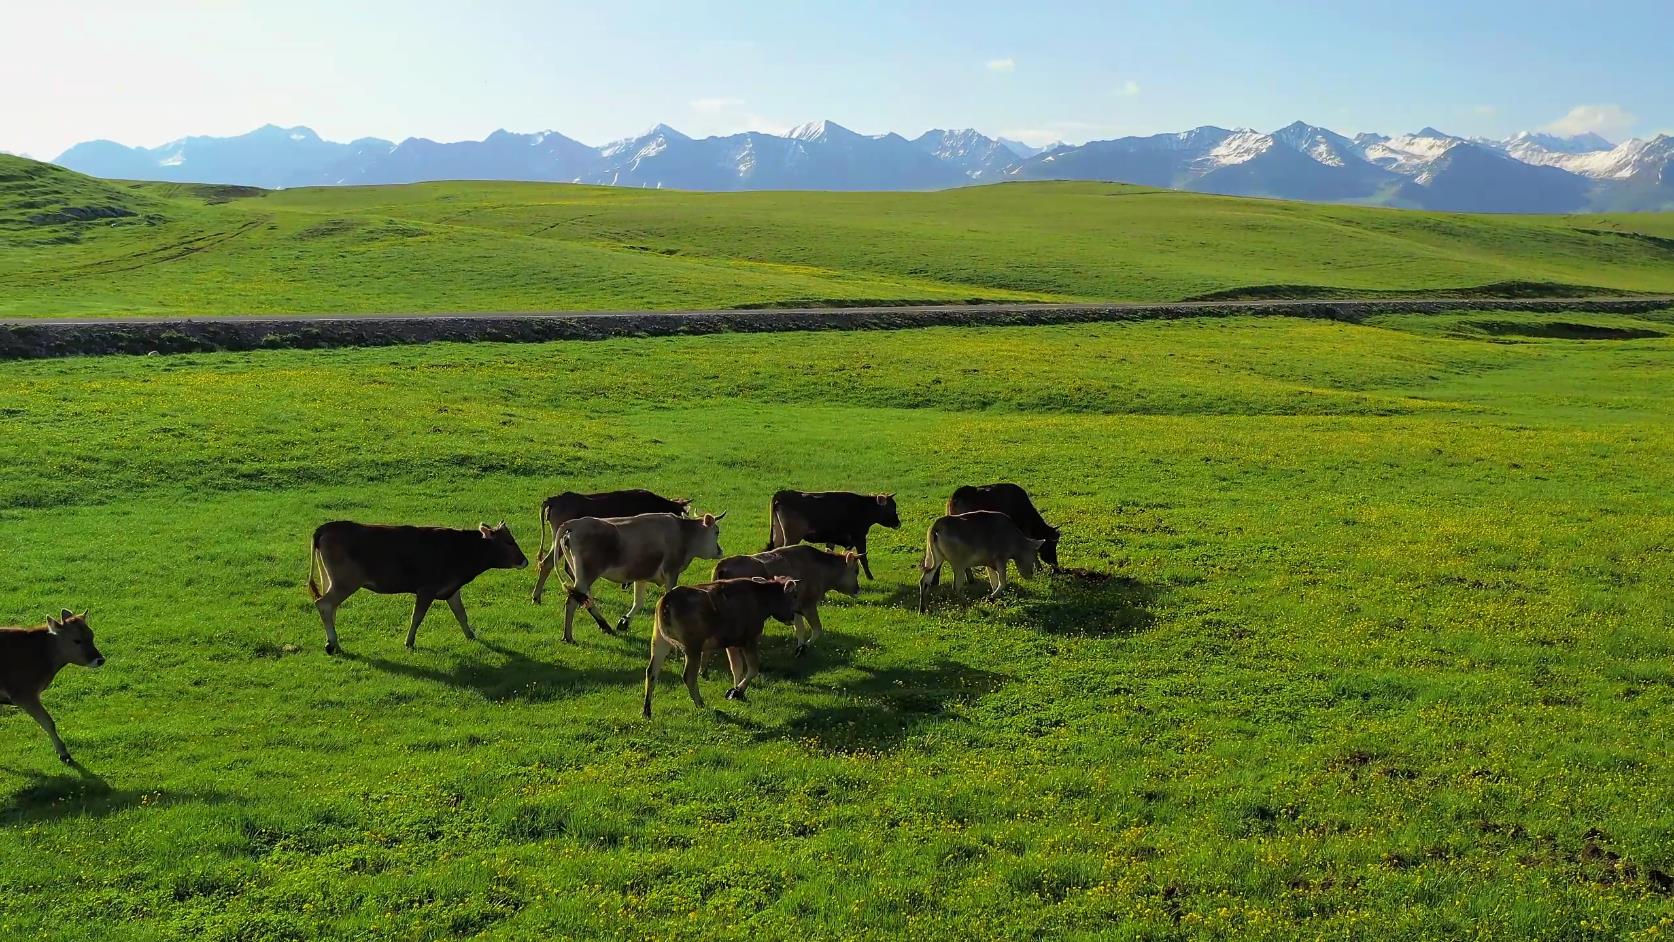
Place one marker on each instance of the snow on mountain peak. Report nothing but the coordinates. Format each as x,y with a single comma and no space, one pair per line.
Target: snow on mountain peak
820,130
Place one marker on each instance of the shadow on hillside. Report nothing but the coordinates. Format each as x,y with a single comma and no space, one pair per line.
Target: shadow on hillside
518,677
82,793
1071,602
885,707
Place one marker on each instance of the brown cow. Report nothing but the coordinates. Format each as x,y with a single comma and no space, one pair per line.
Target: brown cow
645,549
815,570
727,614
835,518
428,562
979,538
559,510
1014,502
31,657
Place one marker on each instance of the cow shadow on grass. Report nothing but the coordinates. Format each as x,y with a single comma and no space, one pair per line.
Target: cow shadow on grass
1073,601
517,677
885,706
84,794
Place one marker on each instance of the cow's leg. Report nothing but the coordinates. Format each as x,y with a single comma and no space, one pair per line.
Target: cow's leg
458,605
959,581
865,564
31,704
997,579
926,579
660,647
752,662
812,620
799,633
628,616
692,663
706,656
735,666
420,607
543,571
327,605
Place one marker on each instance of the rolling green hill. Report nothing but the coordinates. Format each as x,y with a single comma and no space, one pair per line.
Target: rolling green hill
75,245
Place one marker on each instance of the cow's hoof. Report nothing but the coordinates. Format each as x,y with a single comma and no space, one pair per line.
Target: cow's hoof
333,649
647,712
536,599
621,625
735,694
470,636
569,641
801,649
64,757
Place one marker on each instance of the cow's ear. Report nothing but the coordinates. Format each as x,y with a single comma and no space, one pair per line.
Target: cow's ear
851,556
65,614
53,624
790,586
708,520
485,529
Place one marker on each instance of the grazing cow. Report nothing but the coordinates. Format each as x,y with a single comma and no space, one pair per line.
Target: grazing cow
556,511
835,518
31,657
428,562
1014,502
815,570
979,538
727,614
644,549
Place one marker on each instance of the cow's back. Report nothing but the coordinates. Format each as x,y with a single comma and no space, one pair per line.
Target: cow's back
630,548
399,559
1006,498
25,659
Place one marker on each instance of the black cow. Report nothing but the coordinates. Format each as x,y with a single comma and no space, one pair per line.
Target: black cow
428,562
835,518
1014,502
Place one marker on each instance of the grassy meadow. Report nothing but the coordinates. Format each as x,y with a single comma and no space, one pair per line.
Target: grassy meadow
1367,634
477,246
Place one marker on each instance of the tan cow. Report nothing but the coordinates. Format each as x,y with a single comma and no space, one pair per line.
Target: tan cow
727,614
644,550
31,657
815,570
979,538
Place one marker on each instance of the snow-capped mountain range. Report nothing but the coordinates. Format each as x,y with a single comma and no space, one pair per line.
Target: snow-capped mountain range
1429,169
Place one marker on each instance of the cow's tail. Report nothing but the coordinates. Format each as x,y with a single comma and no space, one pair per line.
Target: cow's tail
316,570
544,526
932,557
773,525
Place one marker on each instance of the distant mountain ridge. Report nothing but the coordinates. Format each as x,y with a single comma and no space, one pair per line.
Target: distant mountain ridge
1429,169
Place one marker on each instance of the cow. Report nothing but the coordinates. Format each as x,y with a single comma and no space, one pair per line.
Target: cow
427,562
835,518
643,549
1014,502
815,570
726,614
31,657
556,511
979,538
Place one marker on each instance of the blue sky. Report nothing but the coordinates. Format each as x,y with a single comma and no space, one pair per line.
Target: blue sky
148,72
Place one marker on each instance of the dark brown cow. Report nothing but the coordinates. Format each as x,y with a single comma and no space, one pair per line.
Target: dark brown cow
1014,502
979,538
835,518
727,614
815,570
644,550
630,502
428,562
31,657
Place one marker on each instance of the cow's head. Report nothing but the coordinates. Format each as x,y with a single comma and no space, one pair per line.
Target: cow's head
782,598
684,505
504,549
887,514
1049,548
848,582
1027,561
74,639
708,543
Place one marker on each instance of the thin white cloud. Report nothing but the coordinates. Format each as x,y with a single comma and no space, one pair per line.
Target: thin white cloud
713,105
1008,64
1612,121
1128,89
1486,111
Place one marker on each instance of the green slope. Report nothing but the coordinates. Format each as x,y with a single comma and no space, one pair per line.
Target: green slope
511,246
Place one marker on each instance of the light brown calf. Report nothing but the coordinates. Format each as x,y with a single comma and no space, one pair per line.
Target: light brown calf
645,549
815,570
727,614
979,538
31,657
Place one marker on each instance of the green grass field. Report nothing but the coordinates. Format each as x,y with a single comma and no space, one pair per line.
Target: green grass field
522,246
1369,634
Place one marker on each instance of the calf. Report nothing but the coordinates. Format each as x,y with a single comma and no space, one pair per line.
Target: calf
31,657
556,511
979,538
815,570
725,614
835,518
644,549
428,562
1014,502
